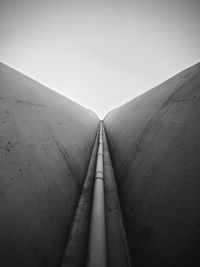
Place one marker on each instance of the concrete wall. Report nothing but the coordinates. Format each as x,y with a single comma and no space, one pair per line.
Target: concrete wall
45,146
154,142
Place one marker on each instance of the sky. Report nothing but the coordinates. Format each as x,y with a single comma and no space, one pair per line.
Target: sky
100,53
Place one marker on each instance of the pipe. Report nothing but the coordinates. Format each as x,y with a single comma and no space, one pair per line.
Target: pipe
97,238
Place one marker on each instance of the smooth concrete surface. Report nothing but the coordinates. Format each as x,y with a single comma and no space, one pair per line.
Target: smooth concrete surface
117,248
45,146
76,250
154,142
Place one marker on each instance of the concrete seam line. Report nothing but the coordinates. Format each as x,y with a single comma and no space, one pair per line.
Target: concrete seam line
99,178
97,237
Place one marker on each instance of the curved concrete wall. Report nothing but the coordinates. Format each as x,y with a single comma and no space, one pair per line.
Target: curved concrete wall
154,142
45,146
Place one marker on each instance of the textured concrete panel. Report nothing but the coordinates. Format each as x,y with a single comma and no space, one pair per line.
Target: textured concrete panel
45,145
154,142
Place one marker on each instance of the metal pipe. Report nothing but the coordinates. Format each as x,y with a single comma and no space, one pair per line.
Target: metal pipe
97,238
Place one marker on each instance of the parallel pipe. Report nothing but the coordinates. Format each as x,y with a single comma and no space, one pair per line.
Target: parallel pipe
97,238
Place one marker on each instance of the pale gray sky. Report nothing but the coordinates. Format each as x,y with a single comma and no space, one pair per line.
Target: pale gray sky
100,53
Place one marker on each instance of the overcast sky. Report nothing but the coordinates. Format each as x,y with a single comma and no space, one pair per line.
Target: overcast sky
100,53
